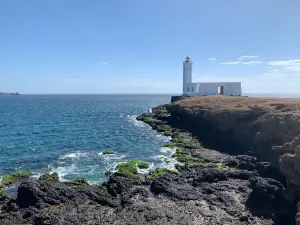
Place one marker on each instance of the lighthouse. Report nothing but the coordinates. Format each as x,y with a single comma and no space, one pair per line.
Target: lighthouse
191,88
187,74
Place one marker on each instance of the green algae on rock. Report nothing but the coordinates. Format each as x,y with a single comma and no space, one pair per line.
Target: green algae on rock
168,133
103,190
78,182
170,145
132,165
107,173
159,172
129,169
167,160
189,161
108,152
50,177
10,179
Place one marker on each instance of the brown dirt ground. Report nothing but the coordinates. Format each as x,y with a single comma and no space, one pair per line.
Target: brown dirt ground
234,103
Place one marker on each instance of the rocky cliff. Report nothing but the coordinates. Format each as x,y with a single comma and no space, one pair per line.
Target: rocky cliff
266,128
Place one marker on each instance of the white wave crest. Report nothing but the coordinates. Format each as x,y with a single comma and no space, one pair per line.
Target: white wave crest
145,171
63,171
163,137
77,154
132,119
167,150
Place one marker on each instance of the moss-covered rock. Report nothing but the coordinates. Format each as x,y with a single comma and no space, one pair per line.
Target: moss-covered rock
168,133
163,128
107,173
189,161
103,190
78,182
170,145
159,172
50,177
131,166
10,179
3,195
179,153
127,174
129,169
167,160
178,140
107,152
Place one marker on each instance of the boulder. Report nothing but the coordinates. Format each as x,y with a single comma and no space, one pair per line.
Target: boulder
268,198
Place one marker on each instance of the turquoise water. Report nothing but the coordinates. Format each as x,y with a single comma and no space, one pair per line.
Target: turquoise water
68,133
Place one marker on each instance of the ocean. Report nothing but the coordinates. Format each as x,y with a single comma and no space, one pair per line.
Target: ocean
68,134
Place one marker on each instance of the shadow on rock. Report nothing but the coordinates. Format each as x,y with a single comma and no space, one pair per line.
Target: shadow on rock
269,200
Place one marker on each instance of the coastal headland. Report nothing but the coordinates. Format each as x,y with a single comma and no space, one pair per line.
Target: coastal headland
237,164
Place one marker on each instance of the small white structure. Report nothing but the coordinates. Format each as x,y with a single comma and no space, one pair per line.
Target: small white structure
213,88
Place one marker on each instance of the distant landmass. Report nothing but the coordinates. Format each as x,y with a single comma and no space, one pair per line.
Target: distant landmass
7,93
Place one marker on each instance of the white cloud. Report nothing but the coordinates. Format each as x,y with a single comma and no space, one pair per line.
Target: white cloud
294,68
242,63
230,63
245,57
295,62
212,58
252,63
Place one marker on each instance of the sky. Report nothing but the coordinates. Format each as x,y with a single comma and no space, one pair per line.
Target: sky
138,46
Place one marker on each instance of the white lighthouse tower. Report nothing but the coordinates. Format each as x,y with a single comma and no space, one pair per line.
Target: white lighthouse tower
187,74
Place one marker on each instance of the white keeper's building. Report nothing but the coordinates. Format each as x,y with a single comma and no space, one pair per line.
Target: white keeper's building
207,88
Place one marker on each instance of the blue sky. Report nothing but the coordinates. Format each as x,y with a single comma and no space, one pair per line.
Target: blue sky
138,46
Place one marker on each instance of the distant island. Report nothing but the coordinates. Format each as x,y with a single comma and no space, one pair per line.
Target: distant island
7,93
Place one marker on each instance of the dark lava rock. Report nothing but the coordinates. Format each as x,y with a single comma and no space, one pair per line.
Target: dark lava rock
297,217
119,184
268,198
175,189
32,192
207,175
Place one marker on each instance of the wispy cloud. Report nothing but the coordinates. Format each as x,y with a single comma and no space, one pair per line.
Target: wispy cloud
245,57
212,58
295,62
242,63
230,63
102,63
281,75
291,65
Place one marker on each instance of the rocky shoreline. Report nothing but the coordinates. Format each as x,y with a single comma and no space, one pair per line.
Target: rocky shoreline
221,177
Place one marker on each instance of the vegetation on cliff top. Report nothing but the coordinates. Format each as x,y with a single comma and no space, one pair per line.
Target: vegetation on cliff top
10,179
50,177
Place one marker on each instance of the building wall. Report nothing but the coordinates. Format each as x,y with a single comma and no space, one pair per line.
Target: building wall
229,88
187,76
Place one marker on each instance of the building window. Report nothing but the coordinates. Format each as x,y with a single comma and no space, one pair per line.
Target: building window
192,89
199,89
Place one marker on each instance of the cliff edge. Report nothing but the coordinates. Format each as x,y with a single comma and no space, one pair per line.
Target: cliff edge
264,127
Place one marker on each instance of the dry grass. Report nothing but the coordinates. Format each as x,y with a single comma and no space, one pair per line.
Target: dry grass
232,103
